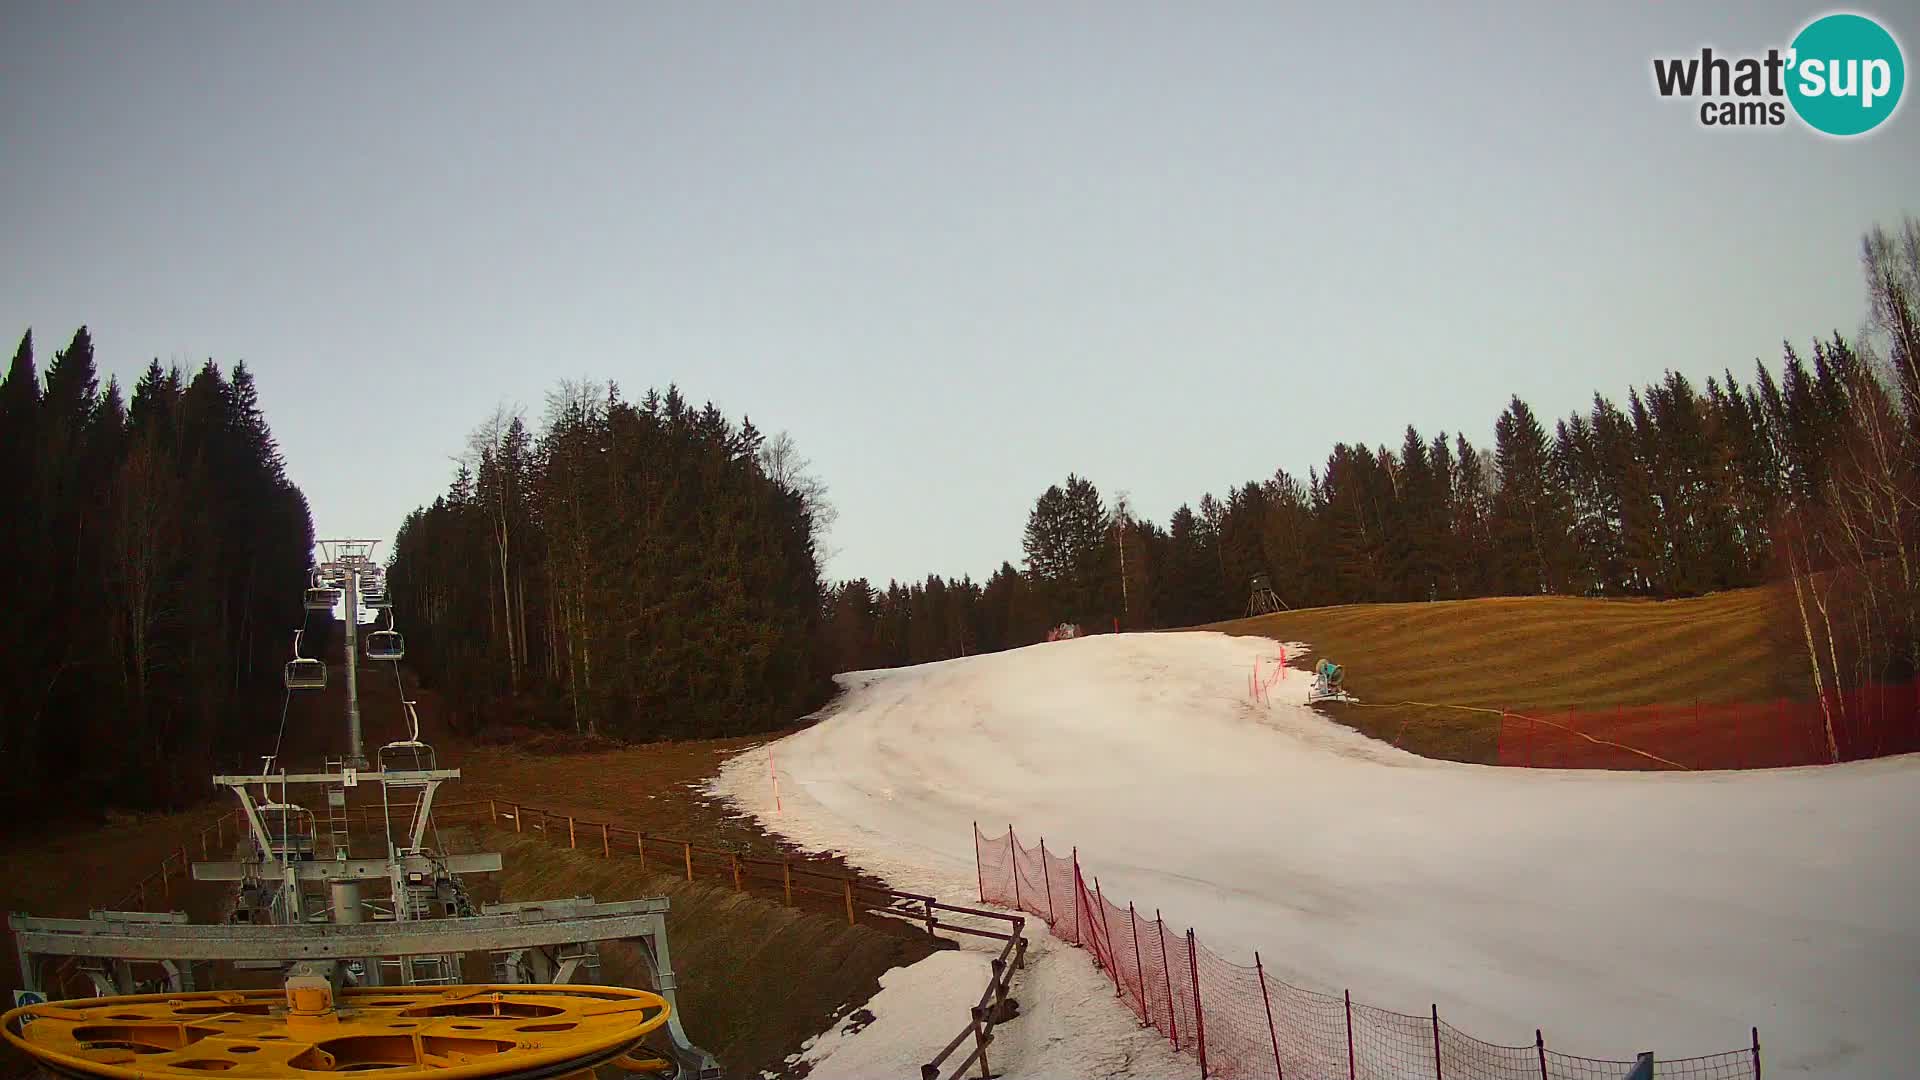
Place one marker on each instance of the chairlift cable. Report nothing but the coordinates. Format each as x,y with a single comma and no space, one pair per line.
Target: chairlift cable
286,699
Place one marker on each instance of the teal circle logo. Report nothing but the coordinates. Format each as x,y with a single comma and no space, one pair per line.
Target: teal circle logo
1845,74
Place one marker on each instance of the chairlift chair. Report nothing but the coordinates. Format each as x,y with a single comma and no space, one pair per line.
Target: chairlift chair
388,644
291,830
322,598
305,673
407,755
411,744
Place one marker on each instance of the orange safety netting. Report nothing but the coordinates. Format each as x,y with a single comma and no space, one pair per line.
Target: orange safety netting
1240,1022
1866,722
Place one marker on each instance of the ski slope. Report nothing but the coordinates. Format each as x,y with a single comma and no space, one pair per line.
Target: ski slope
1618,911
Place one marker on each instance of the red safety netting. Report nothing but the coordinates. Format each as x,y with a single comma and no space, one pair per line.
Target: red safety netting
1474,1057
1867,722
1239,1021
1734,1065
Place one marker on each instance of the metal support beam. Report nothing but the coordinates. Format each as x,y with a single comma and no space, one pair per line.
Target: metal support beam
638,919
422,810
392,777
330,870
356,754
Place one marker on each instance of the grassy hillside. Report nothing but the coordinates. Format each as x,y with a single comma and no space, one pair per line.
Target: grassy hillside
1538,653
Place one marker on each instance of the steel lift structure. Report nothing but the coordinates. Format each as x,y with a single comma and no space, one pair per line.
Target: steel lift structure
369,937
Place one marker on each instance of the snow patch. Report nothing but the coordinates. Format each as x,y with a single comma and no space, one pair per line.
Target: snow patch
919,1007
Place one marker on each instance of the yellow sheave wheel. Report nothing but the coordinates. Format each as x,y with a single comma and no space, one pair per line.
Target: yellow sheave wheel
446,1032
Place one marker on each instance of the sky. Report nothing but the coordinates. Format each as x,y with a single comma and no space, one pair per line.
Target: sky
957,251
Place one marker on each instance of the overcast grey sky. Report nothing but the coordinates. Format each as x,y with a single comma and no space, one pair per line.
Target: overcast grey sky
957,250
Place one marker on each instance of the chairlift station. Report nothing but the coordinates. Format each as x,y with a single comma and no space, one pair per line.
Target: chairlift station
367,936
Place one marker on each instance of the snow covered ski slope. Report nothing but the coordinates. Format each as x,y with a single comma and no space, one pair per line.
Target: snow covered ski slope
1618,911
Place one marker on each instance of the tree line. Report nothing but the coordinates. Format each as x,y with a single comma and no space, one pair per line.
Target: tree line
635,569
1810,479
649,569
152,554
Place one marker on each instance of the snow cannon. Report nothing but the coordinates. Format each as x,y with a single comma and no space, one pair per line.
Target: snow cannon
1327,677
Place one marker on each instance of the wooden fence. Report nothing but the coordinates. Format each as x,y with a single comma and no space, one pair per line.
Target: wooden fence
796,883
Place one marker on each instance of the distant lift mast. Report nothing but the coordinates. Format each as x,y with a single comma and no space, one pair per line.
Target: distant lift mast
358,588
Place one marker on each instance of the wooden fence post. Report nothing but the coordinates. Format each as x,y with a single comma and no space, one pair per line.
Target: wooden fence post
1013,860
786,879
606,841
1079,926
1106,924
1267,1003
516,816
980,1042
1046,877
1540,1042
1199,1014
1133,928
979,872
1166,972
735,858
572,840
493,813
1438,1073
1756,1054
1348,995
849,885
640,845
688,847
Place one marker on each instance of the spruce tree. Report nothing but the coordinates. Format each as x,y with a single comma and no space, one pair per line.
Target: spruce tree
1530,512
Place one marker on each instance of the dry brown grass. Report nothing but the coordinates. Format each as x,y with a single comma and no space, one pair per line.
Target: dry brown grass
69,870
756,978
1536,653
